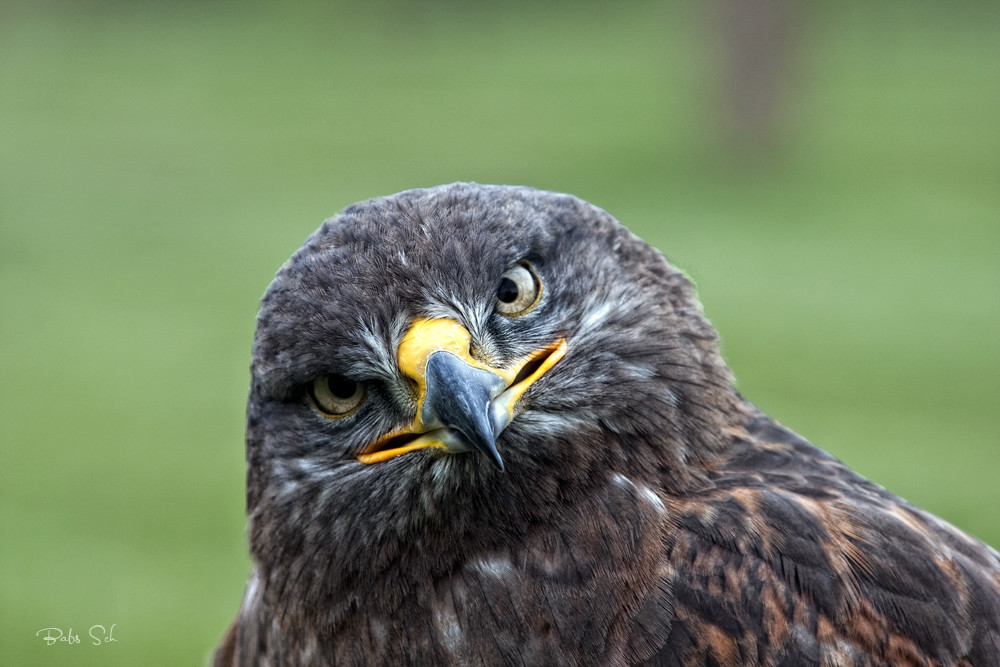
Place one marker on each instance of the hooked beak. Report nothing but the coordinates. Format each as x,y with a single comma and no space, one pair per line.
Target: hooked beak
462,403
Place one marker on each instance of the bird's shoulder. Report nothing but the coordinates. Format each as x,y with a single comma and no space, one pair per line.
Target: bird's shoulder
786,554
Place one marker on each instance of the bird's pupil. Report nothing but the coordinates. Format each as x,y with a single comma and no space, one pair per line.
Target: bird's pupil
507,291
341,387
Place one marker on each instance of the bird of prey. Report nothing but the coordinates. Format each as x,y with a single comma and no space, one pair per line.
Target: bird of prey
489,425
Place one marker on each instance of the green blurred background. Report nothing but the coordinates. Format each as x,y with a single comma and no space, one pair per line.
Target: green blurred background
829,175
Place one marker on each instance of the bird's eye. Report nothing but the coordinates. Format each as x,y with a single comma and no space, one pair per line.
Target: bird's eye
518,291
336,396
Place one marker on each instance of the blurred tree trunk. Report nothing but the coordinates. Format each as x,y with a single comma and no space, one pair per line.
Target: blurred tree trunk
756,54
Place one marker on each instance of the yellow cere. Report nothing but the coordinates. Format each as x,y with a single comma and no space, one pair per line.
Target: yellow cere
424,338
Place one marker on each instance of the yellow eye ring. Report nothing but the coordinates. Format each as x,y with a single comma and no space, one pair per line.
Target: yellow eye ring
336,396
519,290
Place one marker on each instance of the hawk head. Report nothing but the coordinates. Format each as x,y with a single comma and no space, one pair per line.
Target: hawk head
436,370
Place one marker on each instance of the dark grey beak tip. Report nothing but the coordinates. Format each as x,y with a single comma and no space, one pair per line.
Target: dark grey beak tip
484,446
495,455
459,396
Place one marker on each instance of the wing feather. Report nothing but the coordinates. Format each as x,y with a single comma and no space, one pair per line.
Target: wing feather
788,557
